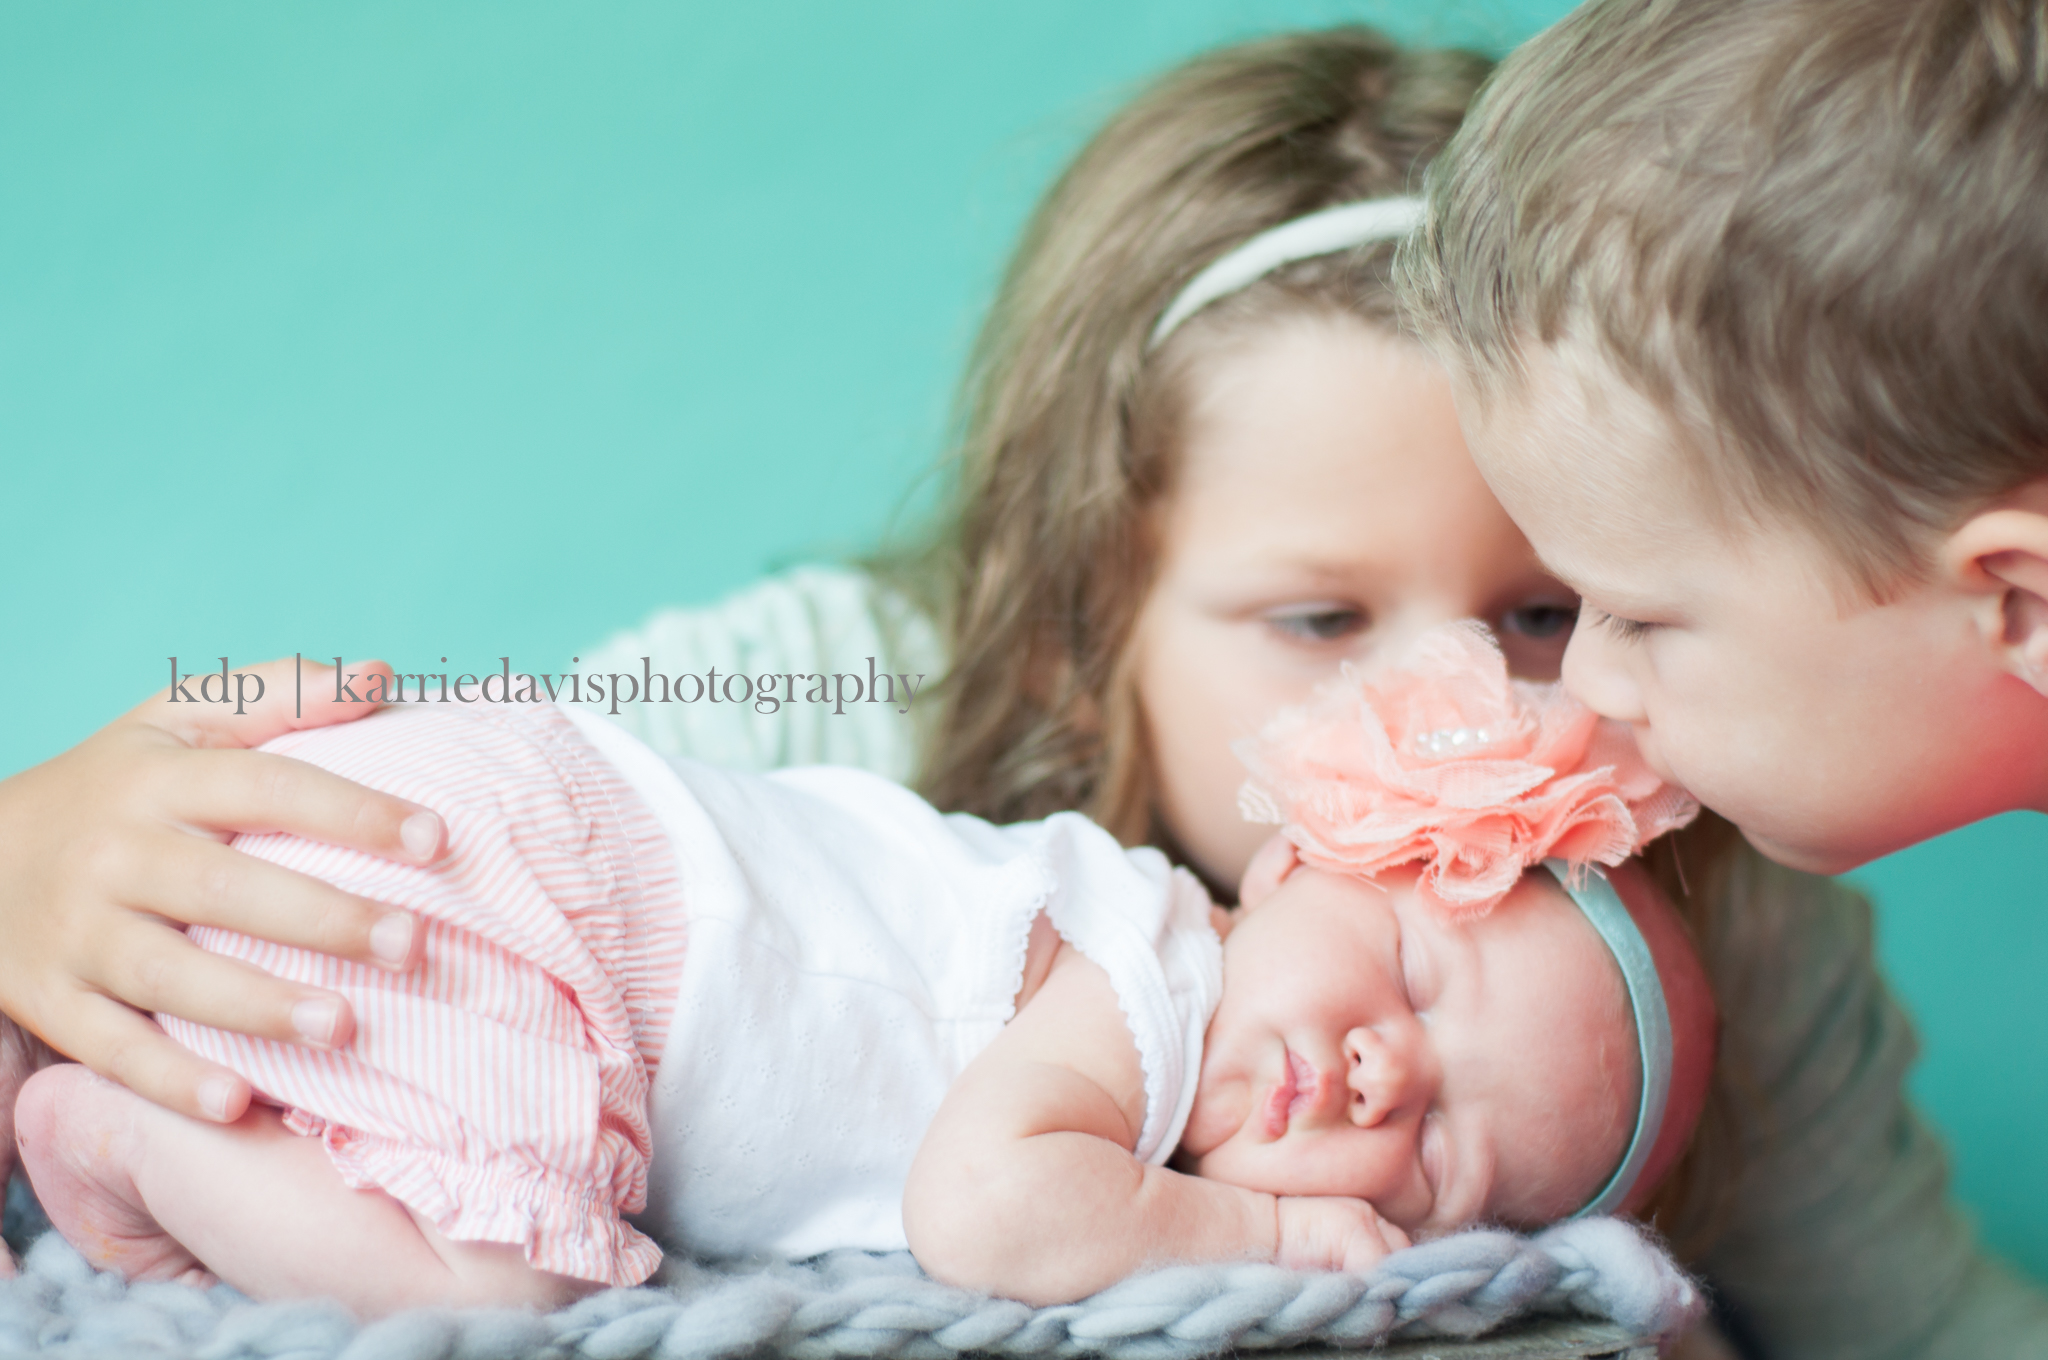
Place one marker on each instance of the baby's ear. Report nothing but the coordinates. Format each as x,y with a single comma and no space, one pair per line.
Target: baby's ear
2000,556
1276,859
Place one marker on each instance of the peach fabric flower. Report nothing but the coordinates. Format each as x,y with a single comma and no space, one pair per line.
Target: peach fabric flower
1442,758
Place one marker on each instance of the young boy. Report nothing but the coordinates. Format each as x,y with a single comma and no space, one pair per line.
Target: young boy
1748,305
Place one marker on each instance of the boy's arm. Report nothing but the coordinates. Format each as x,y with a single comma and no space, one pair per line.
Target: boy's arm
1026,1184
813,630
1840,1237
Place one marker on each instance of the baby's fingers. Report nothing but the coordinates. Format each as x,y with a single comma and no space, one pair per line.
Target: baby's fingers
1382,1240
1334,1233
124,1046
1364,1248
204,883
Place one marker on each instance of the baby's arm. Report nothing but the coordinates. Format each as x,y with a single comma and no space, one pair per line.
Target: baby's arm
109,848
1026,1184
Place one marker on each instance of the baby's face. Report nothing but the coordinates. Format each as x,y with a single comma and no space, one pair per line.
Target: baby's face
1366,1046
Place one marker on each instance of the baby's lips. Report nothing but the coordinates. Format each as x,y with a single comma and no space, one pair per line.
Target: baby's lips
1280,1099
1313,1089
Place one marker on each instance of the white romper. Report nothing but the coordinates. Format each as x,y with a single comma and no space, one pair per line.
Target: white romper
849,951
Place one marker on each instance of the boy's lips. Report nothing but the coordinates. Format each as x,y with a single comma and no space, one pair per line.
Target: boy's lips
1297,1090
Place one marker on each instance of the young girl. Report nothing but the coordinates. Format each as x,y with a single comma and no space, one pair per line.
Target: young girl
1041,1016
1154,548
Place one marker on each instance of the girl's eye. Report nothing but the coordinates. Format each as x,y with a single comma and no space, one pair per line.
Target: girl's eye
1540,620
1319,625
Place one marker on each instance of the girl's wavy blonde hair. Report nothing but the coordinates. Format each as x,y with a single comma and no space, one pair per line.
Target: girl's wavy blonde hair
1068,431
1070,428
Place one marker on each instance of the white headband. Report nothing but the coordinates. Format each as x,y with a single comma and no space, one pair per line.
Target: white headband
1603,907
1305,238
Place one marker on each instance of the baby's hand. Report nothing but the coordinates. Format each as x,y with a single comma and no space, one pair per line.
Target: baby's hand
1332,1233
109,849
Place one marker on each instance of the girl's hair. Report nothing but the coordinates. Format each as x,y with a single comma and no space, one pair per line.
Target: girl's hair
1070,428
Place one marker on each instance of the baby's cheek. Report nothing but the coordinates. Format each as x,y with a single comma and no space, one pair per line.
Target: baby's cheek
1206,1130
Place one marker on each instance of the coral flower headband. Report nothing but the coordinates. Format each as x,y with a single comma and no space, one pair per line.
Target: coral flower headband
1446,761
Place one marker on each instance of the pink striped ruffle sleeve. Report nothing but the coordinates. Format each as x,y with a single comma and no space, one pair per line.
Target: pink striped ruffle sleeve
500,1090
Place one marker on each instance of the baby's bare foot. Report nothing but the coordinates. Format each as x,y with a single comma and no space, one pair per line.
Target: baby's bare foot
79,1139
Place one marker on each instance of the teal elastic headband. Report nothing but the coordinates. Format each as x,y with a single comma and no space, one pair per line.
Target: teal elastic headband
1603,907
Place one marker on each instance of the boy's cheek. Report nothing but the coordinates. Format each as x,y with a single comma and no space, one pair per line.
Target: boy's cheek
1653,756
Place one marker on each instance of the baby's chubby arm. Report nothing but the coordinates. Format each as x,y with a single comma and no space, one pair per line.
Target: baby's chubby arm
1026,1185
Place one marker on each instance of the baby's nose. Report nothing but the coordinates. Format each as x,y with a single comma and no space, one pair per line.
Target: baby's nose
1380,1073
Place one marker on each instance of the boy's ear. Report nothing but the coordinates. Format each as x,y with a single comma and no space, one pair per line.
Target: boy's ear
2000,556
1269,868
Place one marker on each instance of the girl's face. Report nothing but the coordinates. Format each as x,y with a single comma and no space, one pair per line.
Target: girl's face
1325,510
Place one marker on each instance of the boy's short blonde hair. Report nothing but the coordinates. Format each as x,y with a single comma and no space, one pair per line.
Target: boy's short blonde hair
1814,232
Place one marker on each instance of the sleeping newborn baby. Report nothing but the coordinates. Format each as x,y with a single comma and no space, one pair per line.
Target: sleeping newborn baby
783,1014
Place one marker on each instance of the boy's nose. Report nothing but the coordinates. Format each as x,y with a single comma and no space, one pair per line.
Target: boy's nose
1382,1075
1594,675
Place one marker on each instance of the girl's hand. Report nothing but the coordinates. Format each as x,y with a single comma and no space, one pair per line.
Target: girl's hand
1330,1233
110,849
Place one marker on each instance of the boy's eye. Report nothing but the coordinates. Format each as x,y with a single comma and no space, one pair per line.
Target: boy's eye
1540,620
1319,624
1623,630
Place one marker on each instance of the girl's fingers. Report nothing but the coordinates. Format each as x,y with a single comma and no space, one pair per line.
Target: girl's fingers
124,1046
152,967
201,882
259,791
220,789
267,700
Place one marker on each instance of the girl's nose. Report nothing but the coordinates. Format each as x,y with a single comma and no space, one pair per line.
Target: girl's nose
1383,1075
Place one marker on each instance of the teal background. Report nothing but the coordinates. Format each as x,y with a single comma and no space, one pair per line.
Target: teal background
468,329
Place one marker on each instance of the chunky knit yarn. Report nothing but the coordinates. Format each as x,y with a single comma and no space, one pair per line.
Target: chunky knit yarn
855,1304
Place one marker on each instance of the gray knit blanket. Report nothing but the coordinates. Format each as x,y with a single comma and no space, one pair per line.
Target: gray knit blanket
857,1304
